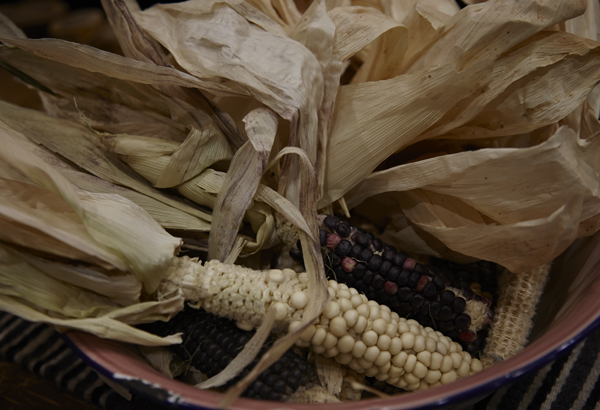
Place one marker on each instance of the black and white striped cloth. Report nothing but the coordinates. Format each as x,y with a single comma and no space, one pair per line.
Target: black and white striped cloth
569,383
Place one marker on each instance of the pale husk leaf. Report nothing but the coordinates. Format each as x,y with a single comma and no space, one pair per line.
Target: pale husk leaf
541,97
29,293
161,359
317,31
199,150
81,146
242,179
588,24
438,13
126,106
137,44
113,65
102,326
373,120
421,32
553,188
286,77
267,8
288,10
145,249
122,289
125,144
132,40
493,28
167,216
550,51
357,27
203,190
10,29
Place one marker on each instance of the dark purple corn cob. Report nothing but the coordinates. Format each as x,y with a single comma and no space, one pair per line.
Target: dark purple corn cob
210,343
413,290
481,276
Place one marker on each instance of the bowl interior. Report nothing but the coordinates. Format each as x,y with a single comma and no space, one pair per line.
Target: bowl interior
568,311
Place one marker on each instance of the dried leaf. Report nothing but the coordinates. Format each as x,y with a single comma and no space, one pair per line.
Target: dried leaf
244,175
113,65
537,99
330,374
102,220
102,326
493,28
167,216
85,149
552,190
27,292
10,29
317,32
586,25
199,150
373,120
125,144
524,73
286,78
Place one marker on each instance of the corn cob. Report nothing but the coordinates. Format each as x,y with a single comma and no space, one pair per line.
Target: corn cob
481,277
355,331
212,342
518,299
413,290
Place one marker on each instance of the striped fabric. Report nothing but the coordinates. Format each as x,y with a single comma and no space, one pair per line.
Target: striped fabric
569,383
41,350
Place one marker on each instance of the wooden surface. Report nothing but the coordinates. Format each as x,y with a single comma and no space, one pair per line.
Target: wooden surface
21,390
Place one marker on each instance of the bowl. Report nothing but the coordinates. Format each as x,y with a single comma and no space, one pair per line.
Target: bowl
568,311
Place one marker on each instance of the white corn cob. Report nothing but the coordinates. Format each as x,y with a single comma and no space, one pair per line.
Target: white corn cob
352,330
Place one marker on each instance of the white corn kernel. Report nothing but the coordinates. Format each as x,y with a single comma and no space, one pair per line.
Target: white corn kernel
372,353
370,338
448,377
299,300
330,341
411,361
383,358
337,326
408,340
384,342
331,310
359,349
351,317
346,343
400,359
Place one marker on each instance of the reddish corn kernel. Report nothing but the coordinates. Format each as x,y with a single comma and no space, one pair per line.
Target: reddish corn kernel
390,288
409,264
333,240
468,336
423,280
348,264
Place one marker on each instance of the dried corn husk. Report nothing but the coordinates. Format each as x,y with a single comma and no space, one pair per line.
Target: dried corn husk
80,145
439,99
242,179
101,220
545,201
95,226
